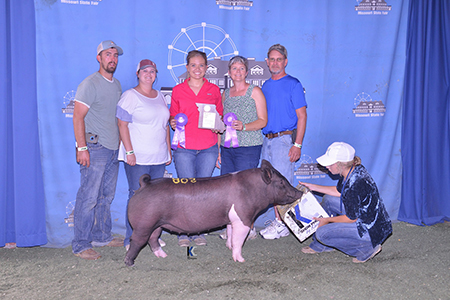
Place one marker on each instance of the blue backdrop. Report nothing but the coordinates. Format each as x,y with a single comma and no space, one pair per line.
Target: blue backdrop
350,57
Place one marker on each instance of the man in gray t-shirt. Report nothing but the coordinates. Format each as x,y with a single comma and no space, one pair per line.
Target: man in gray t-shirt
97,142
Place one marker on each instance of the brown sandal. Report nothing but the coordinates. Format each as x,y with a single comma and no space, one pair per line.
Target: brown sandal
309,250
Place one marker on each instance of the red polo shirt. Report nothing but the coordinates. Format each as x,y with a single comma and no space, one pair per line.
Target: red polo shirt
183,101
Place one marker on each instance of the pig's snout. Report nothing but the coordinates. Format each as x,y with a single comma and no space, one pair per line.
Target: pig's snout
292,195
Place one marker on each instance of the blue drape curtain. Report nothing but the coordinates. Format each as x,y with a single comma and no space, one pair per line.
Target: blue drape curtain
22,205
426,110
425,129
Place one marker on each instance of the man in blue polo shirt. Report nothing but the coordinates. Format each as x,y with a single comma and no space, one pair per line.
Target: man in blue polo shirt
283,134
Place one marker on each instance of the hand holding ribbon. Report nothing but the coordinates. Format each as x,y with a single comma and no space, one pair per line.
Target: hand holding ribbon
179,135
230,133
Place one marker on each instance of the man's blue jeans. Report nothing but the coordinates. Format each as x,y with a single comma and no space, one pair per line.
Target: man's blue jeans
195,163
133,174
238,159
341,236
92,214
276,151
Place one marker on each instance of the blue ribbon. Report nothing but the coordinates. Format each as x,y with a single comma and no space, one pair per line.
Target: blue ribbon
299,217
230,134
179,136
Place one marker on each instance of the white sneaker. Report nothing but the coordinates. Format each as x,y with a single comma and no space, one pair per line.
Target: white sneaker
268,223
252,234
223,234
274,230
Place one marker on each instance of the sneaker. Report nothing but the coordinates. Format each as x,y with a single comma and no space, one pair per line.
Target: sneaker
375,252
10,245
89,254
199,240
267,224
183,241
275,230
252,234
223,235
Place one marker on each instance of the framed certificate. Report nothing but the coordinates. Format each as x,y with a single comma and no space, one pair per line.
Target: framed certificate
209,118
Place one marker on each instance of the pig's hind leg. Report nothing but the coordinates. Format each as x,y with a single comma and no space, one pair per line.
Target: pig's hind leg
238,235
229,235
137,242
154,243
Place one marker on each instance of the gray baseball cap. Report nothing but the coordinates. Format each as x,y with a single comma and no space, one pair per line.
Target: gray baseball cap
107,45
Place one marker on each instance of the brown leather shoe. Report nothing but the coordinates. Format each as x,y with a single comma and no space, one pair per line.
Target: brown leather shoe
116,242
89,254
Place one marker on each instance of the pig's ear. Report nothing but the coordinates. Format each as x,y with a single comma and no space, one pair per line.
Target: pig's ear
265,163
267,172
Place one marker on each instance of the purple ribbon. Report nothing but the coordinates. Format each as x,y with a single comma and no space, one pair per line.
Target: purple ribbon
230,133
179,136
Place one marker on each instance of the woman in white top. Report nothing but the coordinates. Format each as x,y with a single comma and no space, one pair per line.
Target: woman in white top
143,118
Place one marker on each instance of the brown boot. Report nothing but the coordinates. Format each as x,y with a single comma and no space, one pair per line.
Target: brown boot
116,242
89,254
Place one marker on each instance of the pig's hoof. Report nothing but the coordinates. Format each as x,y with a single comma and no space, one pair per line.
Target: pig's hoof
239,259
129,262
229,245
160,253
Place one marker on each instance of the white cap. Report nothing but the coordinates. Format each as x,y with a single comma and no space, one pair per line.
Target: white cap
338,151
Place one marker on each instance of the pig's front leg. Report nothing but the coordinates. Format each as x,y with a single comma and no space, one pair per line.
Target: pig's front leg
154,243
238,235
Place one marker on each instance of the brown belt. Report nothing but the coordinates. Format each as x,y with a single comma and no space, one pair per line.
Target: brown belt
274,135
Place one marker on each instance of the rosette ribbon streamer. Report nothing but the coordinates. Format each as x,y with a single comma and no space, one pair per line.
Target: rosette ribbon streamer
179,136
230,134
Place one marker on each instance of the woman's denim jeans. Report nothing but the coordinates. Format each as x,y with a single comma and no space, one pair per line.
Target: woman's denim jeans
341,236
195,163
133,174
240,158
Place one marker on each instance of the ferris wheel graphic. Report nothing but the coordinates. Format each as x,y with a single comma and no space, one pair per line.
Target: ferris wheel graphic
363,97
69,97
208,38
305,159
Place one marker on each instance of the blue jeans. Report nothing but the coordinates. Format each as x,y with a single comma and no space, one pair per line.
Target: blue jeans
276,151
341,236
240,158
195,163
133,174
92,214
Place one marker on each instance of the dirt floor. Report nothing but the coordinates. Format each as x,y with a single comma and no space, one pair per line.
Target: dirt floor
414,264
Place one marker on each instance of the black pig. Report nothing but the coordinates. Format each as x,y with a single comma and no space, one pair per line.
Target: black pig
195,205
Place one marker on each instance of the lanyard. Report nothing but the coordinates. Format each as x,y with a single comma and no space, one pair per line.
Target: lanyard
345,181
